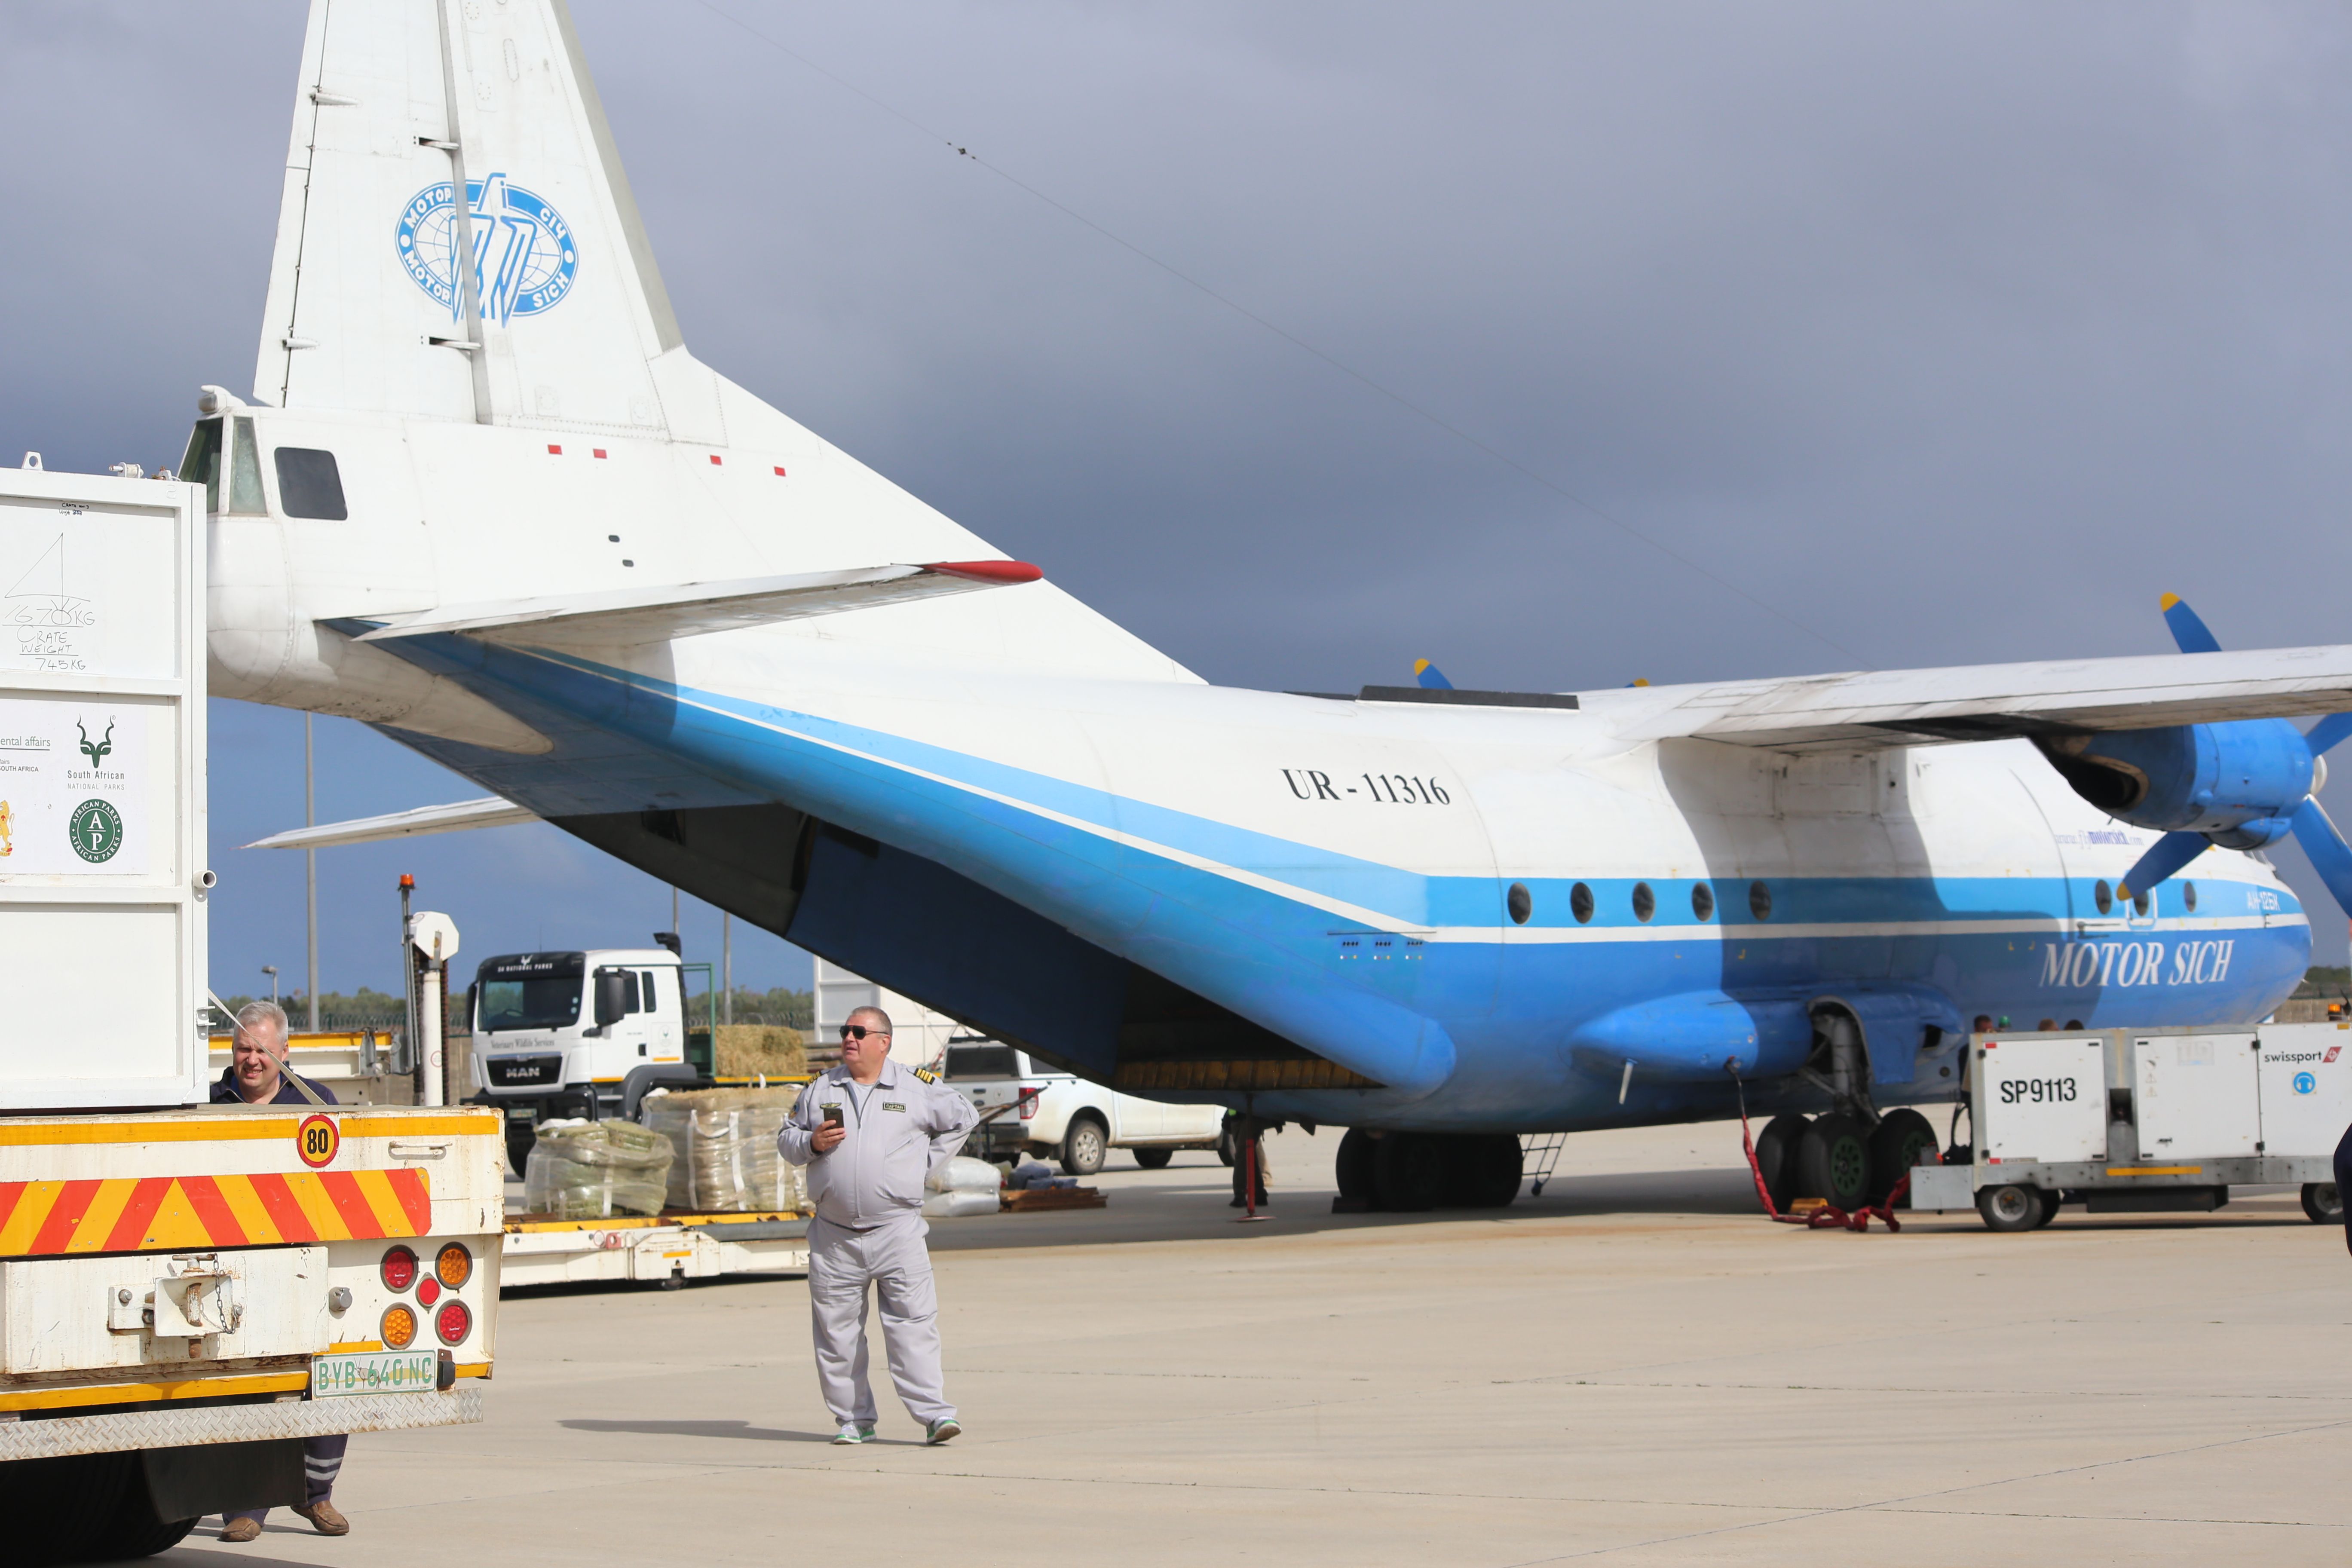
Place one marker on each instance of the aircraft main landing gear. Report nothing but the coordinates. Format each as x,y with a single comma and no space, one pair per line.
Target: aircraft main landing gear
1411,1173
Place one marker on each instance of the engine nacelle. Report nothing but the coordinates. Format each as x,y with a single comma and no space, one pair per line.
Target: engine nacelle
2237,783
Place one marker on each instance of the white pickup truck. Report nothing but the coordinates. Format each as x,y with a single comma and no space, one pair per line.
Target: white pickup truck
1059,1115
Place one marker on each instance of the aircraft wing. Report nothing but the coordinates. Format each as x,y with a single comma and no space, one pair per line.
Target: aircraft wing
1988,701
490,811
627,616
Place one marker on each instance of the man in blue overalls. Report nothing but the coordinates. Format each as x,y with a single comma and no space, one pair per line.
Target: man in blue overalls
869,1132
256,1074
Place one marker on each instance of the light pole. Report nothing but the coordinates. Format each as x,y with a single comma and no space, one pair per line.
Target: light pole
271,970
311,864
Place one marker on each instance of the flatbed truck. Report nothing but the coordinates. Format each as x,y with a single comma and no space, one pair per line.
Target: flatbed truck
188,1291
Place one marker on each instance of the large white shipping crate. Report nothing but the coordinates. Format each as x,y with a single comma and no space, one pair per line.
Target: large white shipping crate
2305,1089
2197,1095
102,846
2044,1100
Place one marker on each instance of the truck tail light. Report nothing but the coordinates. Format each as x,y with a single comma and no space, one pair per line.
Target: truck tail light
428,1291
453,1265
453,1323
399,1329
1029,1103
399,1269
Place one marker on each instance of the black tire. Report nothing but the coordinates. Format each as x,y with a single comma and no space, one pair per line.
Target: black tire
2051,1199
1225,1151
521,1136
1409,1172
1153,1158
1833,1161
87,1507
1085,1146
2010,1209
135,1531
1894,1147
1359,1151
1775,1156
1482,1170
2323,1203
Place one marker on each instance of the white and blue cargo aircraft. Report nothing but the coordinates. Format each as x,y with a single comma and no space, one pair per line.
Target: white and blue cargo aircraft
482,497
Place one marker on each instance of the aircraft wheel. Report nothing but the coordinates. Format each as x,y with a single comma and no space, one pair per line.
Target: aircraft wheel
1775,1156
1153,1158
1482,1170
1834,1161
1409,1172
2323,1203
1358,1152
1895,1148
2010,1208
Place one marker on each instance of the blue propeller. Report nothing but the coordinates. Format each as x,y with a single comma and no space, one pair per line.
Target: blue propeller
2329,854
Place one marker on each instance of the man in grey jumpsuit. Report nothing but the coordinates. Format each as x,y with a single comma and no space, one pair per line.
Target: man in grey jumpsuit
890,1126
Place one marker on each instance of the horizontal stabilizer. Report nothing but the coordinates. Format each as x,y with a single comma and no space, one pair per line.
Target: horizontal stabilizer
490,811
1989,701
629,617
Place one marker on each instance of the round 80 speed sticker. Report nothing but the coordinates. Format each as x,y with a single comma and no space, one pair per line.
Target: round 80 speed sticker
316,1140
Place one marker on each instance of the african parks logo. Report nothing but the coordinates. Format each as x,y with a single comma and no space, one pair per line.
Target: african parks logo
96,830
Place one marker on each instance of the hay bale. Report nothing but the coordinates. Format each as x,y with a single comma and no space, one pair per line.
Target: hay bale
725,1141
746,1050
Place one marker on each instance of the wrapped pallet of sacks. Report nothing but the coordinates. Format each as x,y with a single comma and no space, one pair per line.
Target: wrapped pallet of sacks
725,1143
956,1203
596,1170
965,1174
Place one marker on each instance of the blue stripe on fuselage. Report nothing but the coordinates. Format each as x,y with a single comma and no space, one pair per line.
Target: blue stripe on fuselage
1504,1009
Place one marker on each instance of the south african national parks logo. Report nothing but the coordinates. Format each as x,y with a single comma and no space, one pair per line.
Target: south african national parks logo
524,254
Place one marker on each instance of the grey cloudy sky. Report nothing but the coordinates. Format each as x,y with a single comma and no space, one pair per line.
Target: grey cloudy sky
1924,334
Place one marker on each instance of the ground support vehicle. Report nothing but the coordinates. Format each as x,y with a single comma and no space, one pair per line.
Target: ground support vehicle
186,1289
670,1247
2146,1120
578,1034
1059,1115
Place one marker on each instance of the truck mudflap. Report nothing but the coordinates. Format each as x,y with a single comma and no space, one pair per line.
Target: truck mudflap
115,1431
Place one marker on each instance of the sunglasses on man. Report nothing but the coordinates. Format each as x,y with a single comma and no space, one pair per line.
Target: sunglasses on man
859,1031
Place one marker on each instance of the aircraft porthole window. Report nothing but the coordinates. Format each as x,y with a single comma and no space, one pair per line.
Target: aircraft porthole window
1702,900
1580,903
2141,903
1645,902
2103,896
2188,896
1759,900
1520,902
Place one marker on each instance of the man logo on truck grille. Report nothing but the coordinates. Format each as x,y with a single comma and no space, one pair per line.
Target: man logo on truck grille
97,830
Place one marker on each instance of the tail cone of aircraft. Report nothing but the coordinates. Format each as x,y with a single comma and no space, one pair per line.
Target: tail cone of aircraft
2218,774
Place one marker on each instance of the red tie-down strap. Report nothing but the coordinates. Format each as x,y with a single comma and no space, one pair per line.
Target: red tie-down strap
1829,1217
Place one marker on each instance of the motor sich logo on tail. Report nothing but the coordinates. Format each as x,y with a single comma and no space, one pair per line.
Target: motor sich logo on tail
525,257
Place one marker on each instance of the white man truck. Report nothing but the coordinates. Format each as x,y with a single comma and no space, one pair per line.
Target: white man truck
188,1291
577,1034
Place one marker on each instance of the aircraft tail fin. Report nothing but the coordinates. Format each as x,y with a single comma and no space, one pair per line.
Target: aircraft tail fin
560,320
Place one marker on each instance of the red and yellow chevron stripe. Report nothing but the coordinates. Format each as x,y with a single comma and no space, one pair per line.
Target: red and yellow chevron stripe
174,1213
